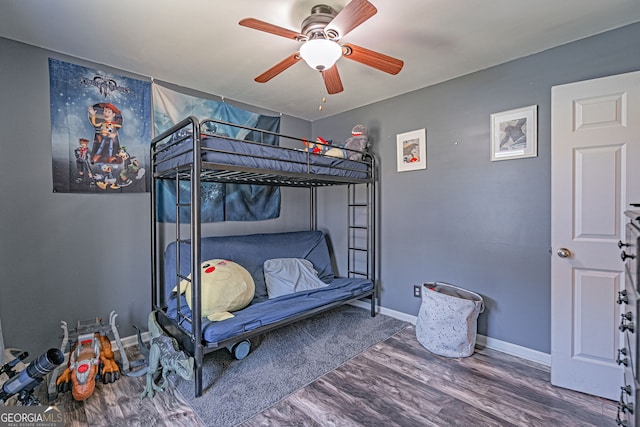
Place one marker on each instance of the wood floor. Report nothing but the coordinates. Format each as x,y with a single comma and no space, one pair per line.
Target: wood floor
119,404
399,383
395,383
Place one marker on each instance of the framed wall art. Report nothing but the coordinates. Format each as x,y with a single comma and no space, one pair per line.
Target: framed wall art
412,150
513,134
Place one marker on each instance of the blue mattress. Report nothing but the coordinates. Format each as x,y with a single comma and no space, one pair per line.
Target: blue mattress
267,312
223,151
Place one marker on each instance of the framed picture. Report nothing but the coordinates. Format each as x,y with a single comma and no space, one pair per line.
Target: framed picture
513,134
412,150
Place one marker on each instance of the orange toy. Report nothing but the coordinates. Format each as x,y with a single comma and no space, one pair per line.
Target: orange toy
87,354
90,358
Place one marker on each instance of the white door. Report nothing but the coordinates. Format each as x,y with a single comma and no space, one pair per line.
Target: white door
595,174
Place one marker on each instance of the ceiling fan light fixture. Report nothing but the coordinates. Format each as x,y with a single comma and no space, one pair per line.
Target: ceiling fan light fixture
320,54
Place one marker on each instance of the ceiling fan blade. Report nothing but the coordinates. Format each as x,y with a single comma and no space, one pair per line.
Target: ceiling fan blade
373,59
259,25
332,80
353,14
278,68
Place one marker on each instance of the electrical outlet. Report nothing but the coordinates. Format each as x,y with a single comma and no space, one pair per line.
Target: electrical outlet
417,291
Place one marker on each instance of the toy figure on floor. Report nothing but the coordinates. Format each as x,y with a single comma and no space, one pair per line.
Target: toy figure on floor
90,358
164,355
106,142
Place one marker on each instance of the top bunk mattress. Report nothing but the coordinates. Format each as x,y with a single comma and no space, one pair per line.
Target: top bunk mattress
221,153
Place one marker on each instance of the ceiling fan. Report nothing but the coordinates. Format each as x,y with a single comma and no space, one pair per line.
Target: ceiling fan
319,34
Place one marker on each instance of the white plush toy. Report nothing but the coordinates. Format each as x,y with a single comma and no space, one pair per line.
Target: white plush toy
226,287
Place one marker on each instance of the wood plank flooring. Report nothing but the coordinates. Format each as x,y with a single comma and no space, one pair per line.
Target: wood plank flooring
395,383
399,383
119,404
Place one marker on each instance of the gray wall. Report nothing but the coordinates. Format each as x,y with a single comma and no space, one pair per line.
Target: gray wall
75,256
466,220
479,224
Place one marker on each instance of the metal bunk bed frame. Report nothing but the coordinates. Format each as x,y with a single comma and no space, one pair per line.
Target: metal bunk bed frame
361,207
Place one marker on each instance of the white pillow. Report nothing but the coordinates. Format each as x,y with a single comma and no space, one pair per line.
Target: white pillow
288,275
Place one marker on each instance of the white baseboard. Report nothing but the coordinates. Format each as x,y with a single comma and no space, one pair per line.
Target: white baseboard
386,311
514,350
481,340
131,340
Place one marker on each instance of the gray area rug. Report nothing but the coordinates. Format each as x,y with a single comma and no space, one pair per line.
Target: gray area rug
281,362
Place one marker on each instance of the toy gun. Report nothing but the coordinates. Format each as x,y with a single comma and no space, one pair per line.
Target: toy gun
7,368
28,379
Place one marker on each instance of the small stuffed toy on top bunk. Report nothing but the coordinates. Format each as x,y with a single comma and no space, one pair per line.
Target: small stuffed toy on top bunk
353,148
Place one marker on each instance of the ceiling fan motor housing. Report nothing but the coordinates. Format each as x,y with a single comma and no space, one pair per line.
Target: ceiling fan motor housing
320,34
313,26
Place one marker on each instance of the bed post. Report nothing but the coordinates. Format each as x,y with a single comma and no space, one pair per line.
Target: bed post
196,318
374,234
154,242
313,208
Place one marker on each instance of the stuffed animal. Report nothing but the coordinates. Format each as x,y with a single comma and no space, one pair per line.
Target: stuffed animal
319,147
357,143
327,148
226,286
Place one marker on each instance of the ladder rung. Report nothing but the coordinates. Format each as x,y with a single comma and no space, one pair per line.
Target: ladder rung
359,273
358,205
359,227
358,249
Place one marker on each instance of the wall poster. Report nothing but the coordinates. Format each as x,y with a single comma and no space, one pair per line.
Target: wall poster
100,130
219,202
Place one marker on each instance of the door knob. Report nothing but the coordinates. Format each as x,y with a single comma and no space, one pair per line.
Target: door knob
563,253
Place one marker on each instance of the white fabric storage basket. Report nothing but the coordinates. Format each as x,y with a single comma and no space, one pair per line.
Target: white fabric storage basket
447,320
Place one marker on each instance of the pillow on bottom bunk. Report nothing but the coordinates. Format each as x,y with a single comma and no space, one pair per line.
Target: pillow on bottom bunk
226,286
288,275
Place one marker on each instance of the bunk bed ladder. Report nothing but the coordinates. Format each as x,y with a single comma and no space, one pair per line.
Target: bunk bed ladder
361,234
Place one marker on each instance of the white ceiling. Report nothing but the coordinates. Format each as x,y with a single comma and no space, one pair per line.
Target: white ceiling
199,44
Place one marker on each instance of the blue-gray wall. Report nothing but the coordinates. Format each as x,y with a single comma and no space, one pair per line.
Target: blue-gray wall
478,224
76,256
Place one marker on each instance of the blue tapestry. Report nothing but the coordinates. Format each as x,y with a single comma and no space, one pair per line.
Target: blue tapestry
100,130
219,202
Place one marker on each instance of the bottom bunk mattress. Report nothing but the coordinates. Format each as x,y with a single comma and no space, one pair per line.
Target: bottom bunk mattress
267,312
